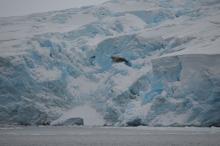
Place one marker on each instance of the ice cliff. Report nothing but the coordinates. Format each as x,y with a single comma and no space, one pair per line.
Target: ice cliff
130,62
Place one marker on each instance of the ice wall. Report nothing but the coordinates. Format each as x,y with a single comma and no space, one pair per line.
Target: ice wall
135,62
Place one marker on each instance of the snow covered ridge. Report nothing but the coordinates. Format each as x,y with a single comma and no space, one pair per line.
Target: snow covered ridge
126,62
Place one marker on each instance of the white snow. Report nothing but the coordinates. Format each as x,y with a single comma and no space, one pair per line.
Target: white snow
123,81
42,74
83,85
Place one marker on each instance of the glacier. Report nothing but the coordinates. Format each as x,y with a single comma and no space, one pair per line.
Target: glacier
54,64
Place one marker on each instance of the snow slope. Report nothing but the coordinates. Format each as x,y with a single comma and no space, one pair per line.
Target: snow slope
167,71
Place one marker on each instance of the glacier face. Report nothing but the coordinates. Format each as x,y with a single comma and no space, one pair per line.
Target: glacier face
165,70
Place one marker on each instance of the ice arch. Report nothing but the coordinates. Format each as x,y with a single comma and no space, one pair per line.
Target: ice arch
90,116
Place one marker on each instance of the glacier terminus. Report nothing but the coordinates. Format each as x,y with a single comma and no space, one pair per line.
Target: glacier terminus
120,63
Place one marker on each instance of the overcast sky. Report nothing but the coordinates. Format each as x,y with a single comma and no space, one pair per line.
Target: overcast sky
22,7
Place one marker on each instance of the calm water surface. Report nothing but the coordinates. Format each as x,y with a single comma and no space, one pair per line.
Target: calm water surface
97,136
